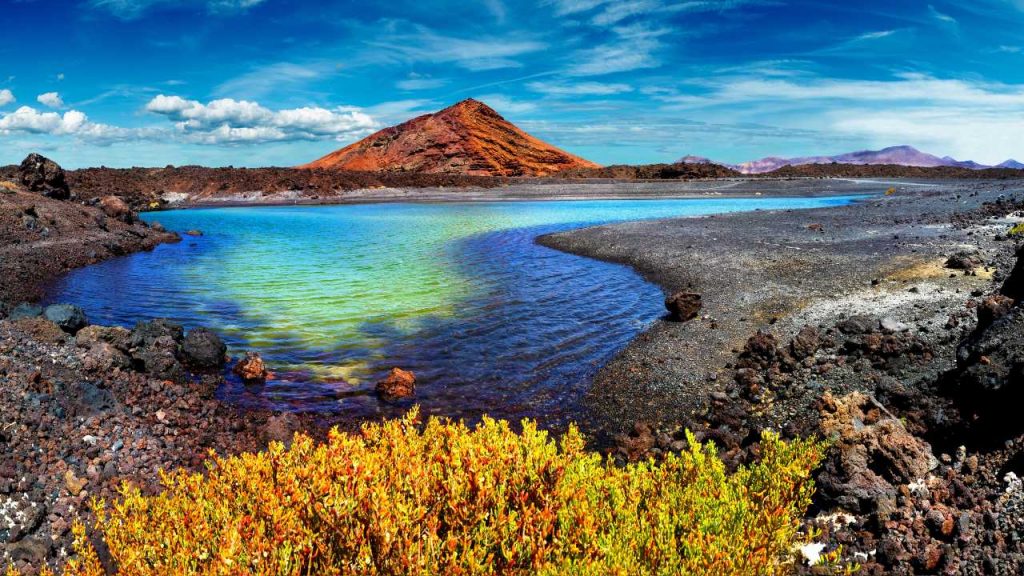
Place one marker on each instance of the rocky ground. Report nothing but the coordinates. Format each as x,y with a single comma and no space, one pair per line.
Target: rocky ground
84,408
890,327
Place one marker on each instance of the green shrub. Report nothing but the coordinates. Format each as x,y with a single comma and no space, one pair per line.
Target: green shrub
1017,230
402,498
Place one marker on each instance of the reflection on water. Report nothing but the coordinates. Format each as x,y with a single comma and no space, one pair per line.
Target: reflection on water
459,293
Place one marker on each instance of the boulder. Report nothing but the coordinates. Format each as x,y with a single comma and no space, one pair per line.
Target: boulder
116,336
993,308
203,349
194,233
115,207
683,305
964,260
397,384
873,454
858,324
805,343
40,174
25,310
159,358
1013,286
145,333
251,369
102,357
69,317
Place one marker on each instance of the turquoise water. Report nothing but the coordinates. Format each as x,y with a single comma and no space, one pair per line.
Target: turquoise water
334,296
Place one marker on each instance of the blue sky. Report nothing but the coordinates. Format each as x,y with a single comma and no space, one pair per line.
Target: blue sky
281,82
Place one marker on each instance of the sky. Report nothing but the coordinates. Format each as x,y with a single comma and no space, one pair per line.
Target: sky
281,82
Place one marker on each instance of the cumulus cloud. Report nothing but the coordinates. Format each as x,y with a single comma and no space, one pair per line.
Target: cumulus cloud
51,99
229,120
28,120
6,97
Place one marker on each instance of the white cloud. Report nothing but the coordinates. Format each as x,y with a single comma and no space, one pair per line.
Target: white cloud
425,45
876,35
132,9
51,99
418,82
977,120
28,120
281,76
229,120
6,97
579,88
941,17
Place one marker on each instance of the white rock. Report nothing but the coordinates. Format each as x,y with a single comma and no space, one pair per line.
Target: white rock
812,552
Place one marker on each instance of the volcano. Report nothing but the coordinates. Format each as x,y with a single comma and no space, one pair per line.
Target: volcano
466,138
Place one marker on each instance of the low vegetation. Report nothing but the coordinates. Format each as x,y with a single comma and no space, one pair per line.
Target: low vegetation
443,498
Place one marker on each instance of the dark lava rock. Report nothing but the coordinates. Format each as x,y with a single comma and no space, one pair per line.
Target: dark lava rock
805,343
993,308
859,324
251,369
397,384
25,310
964,260
683,306
993,358
159,358
203,349
146,332
69,317
1013,286
40,174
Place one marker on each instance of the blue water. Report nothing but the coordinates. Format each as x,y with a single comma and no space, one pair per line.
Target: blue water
334,296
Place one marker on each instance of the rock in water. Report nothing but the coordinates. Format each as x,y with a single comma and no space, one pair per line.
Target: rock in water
115,207
397,384
69,317
251,369
203,349
40,174
25,310
683,305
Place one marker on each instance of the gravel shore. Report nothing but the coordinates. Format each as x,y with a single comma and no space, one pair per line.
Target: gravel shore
857,323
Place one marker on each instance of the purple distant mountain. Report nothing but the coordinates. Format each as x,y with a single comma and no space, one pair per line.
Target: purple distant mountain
900,155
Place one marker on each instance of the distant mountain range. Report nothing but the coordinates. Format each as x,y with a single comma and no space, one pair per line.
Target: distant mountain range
898,155
468,138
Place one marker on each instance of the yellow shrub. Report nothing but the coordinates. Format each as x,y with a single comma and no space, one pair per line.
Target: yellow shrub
401,498
1017,230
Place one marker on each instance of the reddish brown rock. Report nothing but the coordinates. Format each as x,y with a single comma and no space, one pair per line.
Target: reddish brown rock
683,306
993,308
397,384
114,207
874,454
251,368
467,138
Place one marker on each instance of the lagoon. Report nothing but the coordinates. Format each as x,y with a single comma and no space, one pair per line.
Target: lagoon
334,296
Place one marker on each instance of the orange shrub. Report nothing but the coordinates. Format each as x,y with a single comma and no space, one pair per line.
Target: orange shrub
401,498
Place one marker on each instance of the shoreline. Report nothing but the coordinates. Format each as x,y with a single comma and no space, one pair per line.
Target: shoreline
865,259
831,315
557,191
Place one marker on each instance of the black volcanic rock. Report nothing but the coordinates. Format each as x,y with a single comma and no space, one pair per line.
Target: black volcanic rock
40,174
